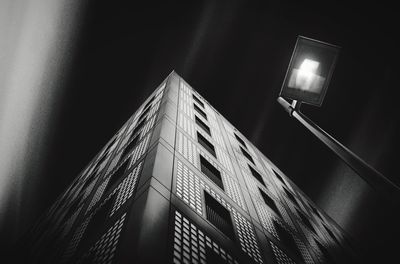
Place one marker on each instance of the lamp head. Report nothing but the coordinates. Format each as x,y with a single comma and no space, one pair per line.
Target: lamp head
309,71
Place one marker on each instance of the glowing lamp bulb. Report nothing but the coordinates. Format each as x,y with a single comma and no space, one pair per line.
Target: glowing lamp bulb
309,67
306,77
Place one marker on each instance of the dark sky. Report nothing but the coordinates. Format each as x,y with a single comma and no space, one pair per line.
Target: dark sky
235,54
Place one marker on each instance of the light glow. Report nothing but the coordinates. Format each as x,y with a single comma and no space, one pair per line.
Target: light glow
307,77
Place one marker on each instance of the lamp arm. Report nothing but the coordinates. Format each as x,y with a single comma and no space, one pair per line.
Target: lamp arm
374,178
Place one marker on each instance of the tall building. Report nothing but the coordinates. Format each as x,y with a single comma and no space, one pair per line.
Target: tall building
179,184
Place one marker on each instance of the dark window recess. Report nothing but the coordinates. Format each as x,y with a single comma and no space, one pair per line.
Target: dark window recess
201,112
116,176
109,146
257,175
100,161
72,209
138,127
96,224
279,178
219,216
88,182
206,144
330,233
287,240
149,102
130,146
91,177
269,202
240,141
291,197
327,256
202,125
198,100
211,172
315,211
144,113
305,220
247,155
213,257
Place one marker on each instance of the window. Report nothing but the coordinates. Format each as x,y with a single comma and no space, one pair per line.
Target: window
270,202
96,224
279,177
315,211
330,233
219,216
257,175
116,176
107,150
129,147
206,144
198,100
72,208
145,111
240,140
201,112
247,155
138,126
211,172
213,258
305,220
102,161
110,146
291,197
287,239
327,257
88,181
202,125
103,157
149,102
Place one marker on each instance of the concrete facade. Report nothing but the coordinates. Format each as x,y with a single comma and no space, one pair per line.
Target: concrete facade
179,184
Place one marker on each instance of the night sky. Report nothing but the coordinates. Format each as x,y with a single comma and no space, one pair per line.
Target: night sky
235,54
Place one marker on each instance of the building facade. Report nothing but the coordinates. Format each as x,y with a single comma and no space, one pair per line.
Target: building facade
179,184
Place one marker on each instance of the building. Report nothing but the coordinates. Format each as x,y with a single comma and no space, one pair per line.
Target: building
179,184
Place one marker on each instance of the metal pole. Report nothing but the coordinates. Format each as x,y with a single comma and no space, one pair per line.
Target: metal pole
374,178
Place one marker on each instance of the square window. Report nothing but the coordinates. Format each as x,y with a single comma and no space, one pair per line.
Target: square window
201,124
247,155
211,172
213,258
73,207
270,202
287,240
219,216
315,211
330,233
144,113
257,175
201,112
96,224
149,102
291,197
325,252
305,220
279,177
206,144
117,175
198,100
139,126
240,140
129,147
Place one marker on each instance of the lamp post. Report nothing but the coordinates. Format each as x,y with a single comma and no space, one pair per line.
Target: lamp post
306,81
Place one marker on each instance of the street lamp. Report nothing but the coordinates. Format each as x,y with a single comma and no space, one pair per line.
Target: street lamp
306,81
